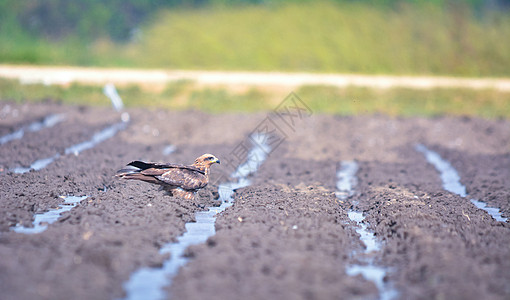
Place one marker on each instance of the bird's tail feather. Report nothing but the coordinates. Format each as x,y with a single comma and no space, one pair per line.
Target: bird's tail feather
136,176
126,171
133,171
141,165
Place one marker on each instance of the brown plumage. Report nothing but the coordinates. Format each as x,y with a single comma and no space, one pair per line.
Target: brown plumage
180,180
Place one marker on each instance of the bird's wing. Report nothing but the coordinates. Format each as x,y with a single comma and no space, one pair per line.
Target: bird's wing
184,178
163,166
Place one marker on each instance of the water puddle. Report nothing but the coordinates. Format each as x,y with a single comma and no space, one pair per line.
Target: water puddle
47,122
346,181
41,221
451,181
148,283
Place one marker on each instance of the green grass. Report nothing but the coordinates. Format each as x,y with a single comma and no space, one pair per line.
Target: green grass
316,36
326,37
12,90
407,102
183,95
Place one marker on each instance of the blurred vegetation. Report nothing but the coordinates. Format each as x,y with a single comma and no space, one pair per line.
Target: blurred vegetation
181,95
448,37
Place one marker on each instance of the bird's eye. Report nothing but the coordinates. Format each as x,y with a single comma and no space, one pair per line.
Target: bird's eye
210,158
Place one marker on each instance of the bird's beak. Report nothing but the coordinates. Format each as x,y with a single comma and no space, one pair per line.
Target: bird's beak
217,161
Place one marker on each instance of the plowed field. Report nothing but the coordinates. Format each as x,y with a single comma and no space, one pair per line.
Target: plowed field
288,234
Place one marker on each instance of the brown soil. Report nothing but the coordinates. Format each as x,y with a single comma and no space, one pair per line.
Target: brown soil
286,237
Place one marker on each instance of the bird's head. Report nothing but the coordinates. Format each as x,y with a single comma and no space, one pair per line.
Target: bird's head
206,160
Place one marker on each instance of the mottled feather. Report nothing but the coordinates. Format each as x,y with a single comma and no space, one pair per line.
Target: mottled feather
184,178
180,180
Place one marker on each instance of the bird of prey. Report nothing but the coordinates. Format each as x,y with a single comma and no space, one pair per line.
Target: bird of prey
179,180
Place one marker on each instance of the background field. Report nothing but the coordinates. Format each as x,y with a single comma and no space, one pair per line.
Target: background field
440,37
449,37
184,95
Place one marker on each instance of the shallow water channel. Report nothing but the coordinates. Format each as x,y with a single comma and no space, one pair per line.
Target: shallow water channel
451,181
47,122
76,149
41,221
346,181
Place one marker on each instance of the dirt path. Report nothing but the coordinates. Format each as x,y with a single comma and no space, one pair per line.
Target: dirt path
287,236
66,75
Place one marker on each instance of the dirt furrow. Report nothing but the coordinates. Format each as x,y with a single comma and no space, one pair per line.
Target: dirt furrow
480,151
275,242
46,122
486,176
14,116
78,126
435,240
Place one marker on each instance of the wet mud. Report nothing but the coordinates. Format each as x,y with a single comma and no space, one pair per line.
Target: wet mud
287,235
